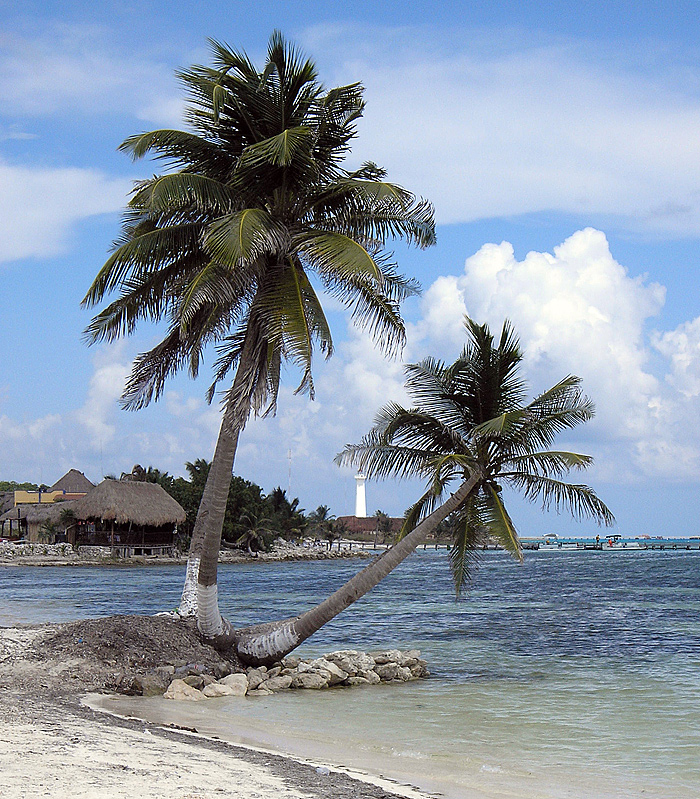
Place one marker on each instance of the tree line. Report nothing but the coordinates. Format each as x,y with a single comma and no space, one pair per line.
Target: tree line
254,519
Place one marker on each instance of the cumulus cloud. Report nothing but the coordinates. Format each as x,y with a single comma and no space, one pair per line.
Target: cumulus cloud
577,310
682,347
106,385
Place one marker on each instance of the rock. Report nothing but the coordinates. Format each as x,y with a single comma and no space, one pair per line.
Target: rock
218,689
208,679
344,664
335,674
359,680
195,681
238,682
370,676
363,661
389,656
149,684
259,692
221,669
291,662
166,673
402,673
419,669
255,677
310,680
387,671
409,658
274,684
182,692
273,672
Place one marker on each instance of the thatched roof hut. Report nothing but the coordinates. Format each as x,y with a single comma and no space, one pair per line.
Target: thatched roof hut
140,504
73,482
33,517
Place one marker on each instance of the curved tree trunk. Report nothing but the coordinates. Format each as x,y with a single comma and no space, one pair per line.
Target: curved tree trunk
267,643
203,557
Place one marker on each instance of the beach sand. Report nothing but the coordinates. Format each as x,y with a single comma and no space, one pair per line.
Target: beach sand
53,744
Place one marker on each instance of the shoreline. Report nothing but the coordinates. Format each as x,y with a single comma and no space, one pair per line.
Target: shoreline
55,555
66,747
54,741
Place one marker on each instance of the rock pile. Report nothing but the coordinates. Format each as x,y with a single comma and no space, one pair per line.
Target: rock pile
10,550
345,668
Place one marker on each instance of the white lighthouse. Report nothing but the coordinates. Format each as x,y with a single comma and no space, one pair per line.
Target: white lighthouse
360,501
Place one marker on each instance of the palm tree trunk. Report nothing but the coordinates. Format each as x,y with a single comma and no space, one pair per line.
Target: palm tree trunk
212,508
267,643
199,596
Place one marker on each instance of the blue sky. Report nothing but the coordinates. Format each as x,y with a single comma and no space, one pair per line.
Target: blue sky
560,145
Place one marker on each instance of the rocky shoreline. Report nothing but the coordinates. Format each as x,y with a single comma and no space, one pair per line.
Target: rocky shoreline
26,554
347,667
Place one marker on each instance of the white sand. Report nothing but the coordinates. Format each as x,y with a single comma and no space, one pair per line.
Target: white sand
72,757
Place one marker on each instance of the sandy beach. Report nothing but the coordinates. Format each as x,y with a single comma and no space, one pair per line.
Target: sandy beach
52,743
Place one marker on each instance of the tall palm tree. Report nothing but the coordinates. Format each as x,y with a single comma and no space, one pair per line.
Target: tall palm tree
470,425
231,247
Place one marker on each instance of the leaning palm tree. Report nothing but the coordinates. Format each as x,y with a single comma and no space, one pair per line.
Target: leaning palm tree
470,426
231,247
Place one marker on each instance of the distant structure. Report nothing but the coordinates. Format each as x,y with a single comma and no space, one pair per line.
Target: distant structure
73,485
30,514
360,500
363,525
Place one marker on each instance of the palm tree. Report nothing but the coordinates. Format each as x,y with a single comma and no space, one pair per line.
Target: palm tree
255,532
382,526
470,425
230,248
321,523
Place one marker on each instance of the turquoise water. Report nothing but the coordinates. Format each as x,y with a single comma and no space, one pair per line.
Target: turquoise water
575,675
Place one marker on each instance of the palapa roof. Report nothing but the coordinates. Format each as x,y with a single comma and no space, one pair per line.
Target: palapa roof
73,482
144,504
45,512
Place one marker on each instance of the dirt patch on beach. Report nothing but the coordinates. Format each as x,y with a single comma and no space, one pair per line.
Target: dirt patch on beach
101,654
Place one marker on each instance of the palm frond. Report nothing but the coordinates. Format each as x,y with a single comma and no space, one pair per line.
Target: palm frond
499,523
469,531
243,236
579,500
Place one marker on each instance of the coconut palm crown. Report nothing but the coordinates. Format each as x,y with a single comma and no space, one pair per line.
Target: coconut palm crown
470,420
230,247
470,425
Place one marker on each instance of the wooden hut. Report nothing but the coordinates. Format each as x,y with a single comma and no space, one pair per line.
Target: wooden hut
133,518
43,522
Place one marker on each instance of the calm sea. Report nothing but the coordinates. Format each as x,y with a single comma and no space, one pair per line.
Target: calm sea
574,675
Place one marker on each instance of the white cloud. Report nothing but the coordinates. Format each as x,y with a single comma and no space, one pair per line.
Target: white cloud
579,311
77,68
489,127
105,388
682,347
39,206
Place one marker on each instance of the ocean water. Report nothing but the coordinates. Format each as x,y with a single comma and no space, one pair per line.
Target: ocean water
576,674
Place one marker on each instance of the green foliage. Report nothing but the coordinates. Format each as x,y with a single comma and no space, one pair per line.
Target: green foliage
471,419
11,485
247,507
222,247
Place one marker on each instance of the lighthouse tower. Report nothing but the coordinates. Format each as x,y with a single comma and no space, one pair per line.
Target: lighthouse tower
360,501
